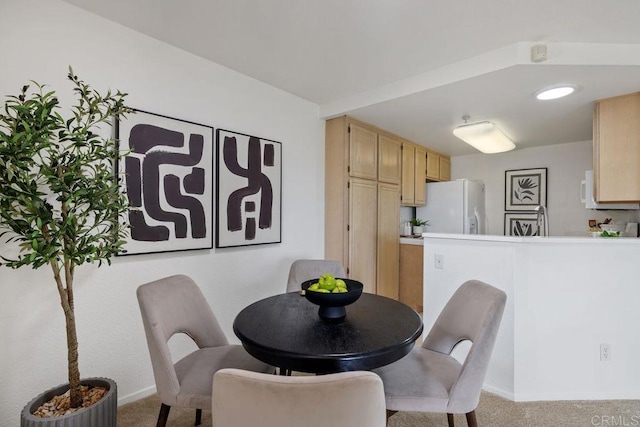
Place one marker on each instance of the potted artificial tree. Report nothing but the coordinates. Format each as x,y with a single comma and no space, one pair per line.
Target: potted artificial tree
60,203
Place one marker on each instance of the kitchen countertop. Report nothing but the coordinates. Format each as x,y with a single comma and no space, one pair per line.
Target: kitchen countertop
411,240
538,240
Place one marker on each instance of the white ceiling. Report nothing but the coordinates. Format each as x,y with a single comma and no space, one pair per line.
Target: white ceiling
414,67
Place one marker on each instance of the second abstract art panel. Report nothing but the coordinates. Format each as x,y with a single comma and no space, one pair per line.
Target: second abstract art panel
249,182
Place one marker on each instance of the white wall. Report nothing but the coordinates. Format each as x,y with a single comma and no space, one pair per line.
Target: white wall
566,309
565,297
464,262
40,39
566,165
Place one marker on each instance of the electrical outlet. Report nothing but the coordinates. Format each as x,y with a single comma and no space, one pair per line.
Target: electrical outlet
605,352
439,261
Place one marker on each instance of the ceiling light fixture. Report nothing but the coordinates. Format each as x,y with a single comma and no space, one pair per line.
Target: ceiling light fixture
484,136
555,92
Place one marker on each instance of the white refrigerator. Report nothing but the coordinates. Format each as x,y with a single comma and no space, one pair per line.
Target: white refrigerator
454,207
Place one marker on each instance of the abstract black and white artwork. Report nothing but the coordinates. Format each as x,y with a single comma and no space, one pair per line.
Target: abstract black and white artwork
168,177
525,189
522,224
249,180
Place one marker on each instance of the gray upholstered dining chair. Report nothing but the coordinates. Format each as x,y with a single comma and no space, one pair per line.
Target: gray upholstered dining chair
429,379
176,305
307,269
346,399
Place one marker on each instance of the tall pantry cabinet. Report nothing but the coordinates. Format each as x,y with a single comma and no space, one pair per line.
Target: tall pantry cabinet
362,203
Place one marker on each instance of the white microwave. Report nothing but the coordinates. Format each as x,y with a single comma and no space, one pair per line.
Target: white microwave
586,195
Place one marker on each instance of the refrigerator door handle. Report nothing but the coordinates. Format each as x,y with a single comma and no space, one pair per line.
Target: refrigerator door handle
477,216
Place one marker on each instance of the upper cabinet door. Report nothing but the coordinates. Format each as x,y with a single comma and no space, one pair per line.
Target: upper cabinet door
363,152
408,175
420,176
445,169
433,166
389,160
616,143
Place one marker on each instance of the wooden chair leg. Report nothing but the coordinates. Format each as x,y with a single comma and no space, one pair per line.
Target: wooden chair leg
164,414
450,420
471,419
198,417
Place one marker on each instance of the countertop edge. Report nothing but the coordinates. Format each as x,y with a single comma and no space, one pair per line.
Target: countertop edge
533,240
411,241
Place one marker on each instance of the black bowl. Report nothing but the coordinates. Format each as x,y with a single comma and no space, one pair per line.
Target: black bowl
332,305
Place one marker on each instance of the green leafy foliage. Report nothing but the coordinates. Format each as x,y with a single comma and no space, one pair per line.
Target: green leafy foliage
418,222
59,196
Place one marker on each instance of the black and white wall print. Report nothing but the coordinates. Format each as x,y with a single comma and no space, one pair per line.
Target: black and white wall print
525,189
522,224
249,180
168,177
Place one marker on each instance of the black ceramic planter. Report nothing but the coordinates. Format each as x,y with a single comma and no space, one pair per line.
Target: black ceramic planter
101,414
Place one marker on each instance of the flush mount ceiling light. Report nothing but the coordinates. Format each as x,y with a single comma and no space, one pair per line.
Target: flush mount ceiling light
484,136
555,92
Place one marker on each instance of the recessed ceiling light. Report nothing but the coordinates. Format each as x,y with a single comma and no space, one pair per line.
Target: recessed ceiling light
555,92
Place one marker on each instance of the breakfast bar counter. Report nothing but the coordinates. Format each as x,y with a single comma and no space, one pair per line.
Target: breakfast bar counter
568,300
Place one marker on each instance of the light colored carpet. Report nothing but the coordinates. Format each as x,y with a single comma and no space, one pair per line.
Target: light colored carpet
493,411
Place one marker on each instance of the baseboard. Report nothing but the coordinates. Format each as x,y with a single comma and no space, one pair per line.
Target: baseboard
145,392
498,391
554,396
568,395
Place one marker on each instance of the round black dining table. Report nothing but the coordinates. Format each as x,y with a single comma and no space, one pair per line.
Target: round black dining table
285,331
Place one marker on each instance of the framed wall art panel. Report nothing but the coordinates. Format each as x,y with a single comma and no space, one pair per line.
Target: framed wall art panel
521,224
248,190
168,178
525,189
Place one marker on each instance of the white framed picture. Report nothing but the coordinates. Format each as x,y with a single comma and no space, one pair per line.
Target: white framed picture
522,224
248,190
525,189
168,178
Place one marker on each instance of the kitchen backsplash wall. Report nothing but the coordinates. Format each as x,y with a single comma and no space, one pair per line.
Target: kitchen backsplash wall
566,165
406,213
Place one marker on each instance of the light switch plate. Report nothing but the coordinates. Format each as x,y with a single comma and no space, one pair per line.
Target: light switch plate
439,261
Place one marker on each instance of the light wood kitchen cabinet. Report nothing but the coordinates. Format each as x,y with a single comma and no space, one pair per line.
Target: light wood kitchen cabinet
414,168
616,149
362,210
438,167
433,166
388,240
362,230
420,176
363,152
445,168
408,174
389,160
411,275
